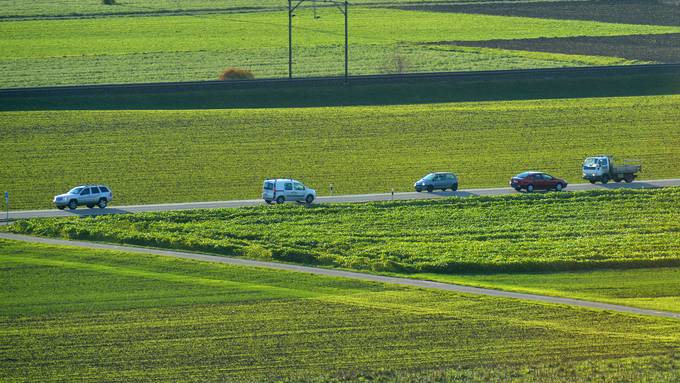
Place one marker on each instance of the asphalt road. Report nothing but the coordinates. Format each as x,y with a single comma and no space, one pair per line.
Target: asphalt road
350,274
83,211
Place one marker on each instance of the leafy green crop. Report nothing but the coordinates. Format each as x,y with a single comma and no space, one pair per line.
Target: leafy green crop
555,231
73,314
200,155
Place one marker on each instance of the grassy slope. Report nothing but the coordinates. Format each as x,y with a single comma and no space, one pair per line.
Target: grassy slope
74,8
646,288
69,313
198,47
582,230
172,156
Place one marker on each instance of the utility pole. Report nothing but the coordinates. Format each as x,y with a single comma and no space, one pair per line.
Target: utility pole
342,6
290,39
346,46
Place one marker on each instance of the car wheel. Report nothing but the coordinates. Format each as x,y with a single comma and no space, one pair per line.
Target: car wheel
102,203
454,187
309,199
628,179
268,201
430,189
419,189
592,181
558,187
89,206
280,199
61,207
605,179
518,188
617,179
530,188
72,204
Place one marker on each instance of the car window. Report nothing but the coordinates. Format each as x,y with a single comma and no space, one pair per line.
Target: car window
268,185
95,190
86,191
524,175
449,176
288,186
75,190
103,189
547,177
429,177
299,186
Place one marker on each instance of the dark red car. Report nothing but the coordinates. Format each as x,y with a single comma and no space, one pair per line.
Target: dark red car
531,181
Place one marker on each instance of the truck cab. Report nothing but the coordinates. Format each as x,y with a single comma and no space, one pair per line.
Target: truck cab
603,169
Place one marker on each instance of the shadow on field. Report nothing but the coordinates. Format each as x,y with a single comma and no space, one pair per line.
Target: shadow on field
334,92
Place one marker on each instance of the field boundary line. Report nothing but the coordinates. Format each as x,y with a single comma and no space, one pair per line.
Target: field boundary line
419,283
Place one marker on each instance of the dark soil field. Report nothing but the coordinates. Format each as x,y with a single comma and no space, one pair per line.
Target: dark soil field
657,48
611,11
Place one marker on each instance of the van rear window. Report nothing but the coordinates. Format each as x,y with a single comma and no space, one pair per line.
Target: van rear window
268,185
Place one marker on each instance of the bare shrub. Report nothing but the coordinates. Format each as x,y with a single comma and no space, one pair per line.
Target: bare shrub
236,74
398,63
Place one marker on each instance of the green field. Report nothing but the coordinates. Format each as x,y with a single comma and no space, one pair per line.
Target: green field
541,232
73,314
198,47
199,155
653,288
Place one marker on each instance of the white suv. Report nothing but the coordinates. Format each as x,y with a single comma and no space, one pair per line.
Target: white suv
285,189
88,195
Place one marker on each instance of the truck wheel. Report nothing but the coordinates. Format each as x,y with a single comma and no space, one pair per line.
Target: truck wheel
629,178
429,188
72,204
558,187
102,203
309,199
280,199
530,188
605,179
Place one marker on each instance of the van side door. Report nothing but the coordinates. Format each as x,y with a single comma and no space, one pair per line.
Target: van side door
298,191
288,190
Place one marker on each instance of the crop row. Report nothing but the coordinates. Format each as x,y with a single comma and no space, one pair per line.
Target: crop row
115,316
584,230
176,156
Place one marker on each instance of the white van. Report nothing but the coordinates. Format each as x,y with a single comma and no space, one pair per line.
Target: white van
286,189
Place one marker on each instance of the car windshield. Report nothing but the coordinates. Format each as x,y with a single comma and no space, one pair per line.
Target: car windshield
75,190
590,163
523,175
268,185
429,177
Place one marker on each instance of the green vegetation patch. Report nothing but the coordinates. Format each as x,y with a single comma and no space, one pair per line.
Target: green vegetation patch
654,288
198,47
74,314
200,155
554,231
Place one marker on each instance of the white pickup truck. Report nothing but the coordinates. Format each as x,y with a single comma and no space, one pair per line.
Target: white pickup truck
603,169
